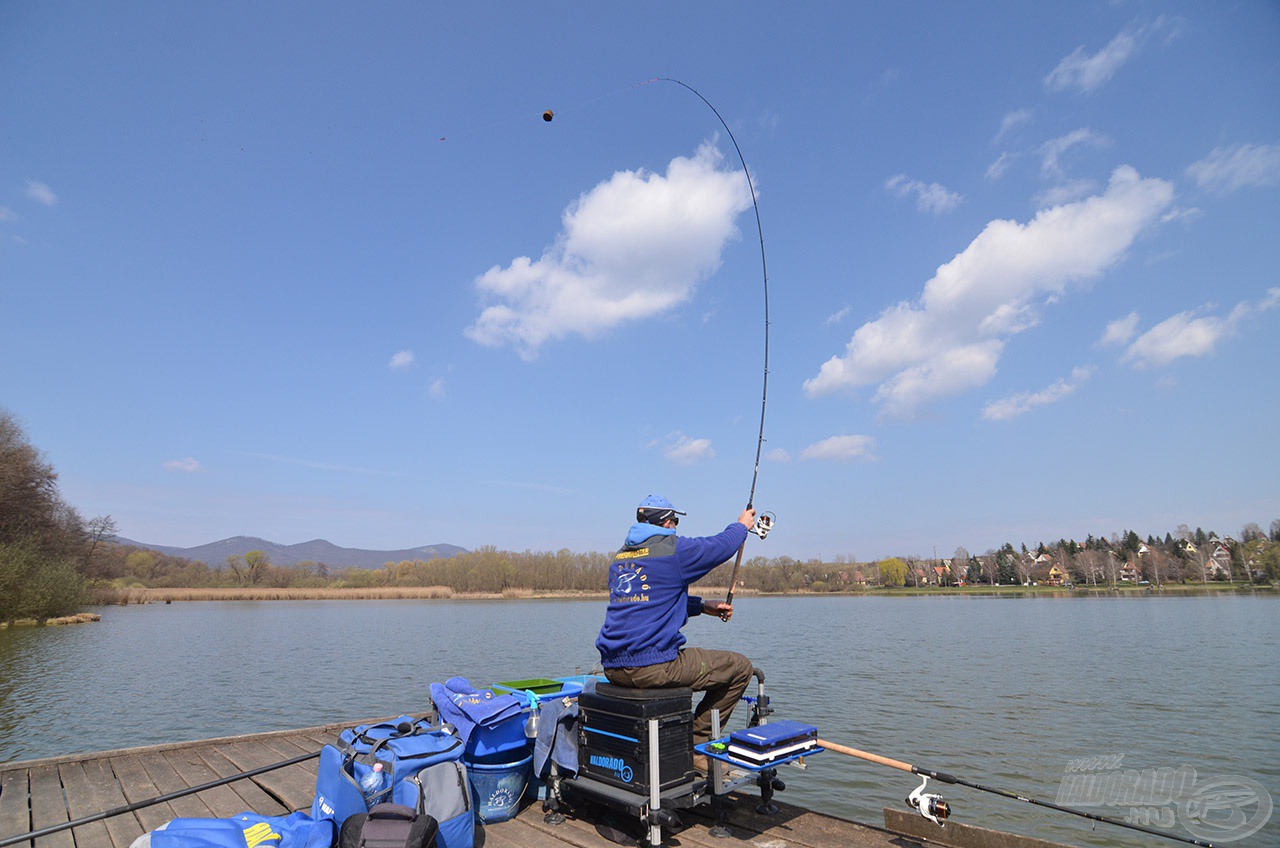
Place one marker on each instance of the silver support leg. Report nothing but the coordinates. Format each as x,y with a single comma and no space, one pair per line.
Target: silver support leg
716,766
655,783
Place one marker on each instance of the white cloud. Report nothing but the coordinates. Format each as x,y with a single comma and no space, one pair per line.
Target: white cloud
41,193
1023,402
1239,166
401,360
435,391
7,215
930,197
840,449
778,455
1192,333
1088,72
997,169
633,247
1120,331
1013,120
950,339
837,317
187,465
683,450
1053,150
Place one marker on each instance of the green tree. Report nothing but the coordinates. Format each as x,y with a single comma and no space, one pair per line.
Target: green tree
893,572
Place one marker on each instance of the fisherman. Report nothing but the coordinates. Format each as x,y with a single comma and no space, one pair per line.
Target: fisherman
640,644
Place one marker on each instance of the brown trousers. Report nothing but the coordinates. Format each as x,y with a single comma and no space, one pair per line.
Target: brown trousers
723,675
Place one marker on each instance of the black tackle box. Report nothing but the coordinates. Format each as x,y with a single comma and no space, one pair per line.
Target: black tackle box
613,736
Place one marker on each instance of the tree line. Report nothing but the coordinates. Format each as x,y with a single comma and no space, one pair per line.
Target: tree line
53,561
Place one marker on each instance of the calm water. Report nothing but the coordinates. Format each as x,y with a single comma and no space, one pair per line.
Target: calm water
998,691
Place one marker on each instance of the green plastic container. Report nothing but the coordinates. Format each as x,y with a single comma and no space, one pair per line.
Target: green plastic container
536,685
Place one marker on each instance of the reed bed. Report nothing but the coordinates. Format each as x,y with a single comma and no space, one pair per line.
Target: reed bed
151,596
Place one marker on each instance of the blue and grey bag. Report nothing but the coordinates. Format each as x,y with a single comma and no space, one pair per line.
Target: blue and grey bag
426,771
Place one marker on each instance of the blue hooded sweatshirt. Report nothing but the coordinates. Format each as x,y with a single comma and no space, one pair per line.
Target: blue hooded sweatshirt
649,598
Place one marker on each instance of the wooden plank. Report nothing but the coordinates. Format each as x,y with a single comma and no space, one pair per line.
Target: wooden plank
291,786
137,786
795,825
105,794
295,785
518,834
250,794
49,807
80,804
957,835
15,813
167,780
222,801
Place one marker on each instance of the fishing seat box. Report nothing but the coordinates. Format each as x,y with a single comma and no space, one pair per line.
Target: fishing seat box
613,736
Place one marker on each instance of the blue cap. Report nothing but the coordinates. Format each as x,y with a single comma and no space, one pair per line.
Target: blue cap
658,502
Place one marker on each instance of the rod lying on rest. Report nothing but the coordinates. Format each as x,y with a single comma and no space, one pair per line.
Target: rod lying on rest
138,805
952,779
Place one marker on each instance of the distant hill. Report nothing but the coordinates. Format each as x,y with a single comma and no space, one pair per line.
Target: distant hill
215,554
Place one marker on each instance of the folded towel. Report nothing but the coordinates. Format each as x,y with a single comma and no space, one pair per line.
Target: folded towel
557,738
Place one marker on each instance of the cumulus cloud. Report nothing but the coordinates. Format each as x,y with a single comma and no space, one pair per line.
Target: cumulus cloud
187,465
1087,72
1239,166
683,450
950,339
41,193
1023,402
1193,333
401,360
633,247
7,215
1120,331
930,197
840,449
778,455
435,390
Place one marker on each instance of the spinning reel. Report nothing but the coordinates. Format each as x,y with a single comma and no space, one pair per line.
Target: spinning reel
929,805
764,523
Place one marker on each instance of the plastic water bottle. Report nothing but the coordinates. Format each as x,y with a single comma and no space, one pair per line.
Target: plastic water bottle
374,785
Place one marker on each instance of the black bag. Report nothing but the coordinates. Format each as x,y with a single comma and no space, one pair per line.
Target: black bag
389,826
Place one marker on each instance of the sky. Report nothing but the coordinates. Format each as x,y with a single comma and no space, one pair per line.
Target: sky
323,270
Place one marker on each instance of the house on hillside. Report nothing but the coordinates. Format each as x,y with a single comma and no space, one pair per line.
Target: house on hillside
1130,573
1057,575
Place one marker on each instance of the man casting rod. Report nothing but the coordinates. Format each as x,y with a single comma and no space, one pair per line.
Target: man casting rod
765,523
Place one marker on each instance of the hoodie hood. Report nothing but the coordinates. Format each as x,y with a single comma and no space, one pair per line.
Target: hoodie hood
639,532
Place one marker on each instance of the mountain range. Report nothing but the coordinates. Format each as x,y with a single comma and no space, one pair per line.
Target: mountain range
215,554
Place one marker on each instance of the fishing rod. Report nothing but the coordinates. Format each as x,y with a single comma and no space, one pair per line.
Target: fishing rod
138,805
934,808
764,522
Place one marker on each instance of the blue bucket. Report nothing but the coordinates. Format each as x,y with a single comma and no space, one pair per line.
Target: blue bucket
497,788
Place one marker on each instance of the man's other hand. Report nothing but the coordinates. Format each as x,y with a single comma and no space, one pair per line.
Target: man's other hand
720,608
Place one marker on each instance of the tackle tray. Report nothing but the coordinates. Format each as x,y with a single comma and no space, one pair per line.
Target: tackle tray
747,765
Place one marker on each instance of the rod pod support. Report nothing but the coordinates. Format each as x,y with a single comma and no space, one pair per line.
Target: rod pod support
930,805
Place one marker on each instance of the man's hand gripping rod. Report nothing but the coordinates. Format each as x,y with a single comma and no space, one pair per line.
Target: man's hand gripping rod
764,523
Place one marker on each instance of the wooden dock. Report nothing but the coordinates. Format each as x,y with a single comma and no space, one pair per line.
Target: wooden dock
36,794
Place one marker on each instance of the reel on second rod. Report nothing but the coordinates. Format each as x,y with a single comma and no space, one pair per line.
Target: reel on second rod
928,804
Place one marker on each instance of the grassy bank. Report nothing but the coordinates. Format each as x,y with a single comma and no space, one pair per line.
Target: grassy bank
78,618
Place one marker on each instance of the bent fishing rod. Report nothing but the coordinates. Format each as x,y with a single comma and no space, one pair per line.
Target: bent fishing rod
764,522
138,805
935,809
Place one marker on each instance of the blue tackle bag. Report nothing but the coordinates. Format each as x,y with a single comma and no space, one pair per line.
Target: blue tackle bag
426,769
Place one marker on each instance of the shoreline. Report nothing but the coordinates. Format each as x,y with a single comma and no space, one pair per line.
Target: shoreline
444,593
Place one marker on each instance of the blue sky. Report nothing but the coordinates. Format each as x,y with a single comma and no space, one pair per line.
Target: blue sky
1022,266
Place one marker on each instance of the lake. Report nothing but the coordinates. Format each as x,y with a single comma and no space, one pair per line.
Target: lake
1005,692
